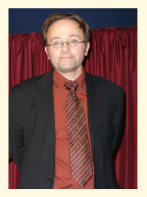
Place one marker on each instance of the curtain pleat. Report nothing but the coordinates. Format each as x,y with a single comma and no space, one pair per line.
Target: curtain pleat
113,55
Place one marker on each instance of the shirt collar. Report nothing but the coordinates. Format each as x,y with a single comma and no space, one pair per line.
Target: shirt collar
59,80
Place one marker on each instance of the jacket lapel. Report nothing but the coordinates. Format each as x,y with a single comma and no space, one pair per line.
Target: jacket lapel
45,108
94,99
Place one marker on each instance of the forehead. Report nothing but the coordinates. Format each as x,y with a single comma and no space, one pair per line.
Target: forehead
64,27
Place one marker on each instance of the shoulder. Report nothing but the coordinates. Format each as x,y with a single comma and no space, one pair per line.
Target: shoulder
29,85
109,91
103,83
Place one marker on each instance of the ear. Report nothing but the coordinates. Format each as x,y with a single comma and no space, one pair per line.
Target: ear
47,52
87,48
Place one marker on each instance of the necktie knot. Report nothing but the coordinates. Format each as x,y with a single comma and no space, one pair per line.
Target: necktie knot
71,85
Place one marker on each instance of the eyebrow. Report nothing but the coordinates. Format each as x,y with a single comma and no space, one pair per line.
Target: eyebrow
55,38
74,35
60,37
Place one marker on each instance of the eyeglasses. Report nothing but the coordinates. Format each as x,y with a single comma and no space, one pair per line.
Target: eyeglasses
70,43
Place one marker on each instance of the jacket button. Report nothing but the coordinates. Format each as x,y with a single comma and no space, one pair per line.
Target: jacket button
50,180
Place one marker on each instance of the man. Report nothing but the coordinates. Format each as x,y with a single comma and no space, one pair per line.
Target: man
52,144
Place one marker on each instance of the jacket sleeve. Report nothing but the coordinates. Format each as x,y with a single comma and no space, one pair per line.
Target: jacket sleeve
16,130
118,123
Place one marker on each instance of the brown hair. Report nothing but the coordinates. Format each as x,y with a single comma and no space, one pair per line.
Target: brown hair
55,17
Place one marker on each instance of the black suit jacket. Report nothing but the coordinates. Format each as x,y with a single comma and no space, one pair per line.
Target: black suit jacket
32,130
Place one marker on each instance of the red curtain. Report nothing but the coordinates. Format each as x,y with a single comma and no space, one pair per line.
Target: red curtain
113,55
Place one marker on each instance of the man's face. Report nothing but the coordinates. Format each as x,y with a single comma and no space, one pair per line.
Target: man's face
66,59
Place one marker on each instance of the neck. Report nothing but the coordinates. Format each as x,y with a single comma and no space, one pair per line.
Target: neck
72,75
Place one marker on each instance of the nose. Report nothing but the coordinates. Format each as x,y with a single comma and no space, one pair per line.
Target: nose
65,47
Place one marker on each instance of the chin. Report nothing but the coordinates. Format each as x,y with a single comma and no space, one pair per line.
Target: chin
65,70
66,67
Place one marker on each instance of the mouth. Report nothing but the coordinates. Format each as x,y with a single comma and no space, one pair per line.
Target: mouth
65,57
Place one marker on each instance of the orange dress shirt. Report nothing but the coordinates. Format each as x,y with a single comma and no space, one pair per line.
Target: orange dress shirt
63,178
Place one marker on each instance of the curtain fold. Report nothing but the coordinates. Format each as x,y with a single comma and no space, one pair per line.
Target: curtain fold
113,55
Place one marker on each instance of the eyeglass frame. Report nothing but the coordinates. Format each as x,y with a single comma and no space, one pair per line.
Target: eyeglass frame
65,42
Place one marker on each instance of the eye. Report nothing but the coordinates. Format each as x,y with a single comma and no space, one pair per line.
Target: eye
73,41
56,43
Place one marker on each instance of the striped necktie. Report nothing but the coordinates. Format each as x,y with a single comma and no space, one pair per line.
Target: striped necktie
79,150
